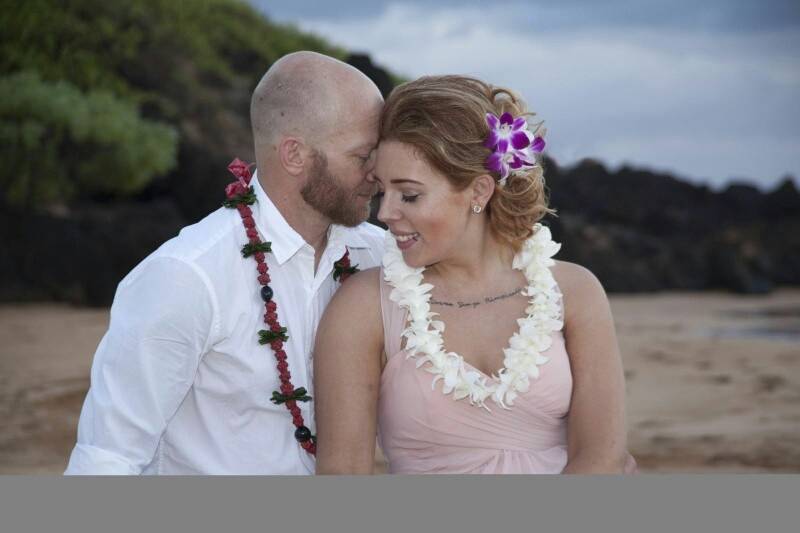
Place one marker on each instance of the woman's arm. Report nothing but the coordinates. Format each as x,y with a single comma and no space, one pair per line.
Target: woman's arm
347,369
596,432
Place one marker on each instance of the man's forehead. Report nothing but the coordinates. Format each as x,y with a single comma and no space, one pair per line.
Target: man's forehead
361,117
357,134
354,124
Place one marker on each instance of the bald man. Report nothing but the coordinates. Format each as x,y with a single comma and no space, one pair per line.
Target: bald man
179,382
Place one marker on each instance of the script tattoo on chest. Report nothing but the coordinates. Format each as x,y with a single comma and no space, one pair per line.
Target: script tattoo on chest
486,300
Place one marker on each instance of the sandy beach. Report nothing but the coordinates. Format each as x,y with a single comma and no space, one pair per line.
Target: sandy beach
713,381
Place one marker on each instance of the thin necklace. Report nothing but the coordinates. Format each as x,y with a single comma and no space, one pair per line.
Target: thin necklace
486,300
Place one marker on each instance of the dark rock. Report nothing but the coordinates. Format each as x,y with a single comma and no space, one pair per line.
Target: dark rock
746,201
80,258
638,230
733,269
378,75
783,202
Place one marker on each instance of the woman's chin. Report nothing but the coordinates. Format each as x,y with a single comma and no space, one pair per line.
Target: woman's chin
412,259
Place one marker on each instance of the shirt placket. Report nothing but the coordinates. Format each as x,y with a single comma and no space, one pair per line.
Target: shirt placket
318,297
305,338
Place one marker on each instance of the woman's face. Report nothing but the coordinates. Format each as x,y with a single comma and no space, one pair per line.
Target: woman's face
424,213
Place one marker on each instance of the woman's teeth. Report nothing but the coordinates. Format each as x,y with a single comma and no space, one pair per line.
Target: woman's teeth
405,238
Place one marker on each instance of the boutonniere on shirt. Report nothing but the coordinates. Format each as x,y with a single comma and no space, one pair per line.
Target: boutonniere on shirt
342,269
240,196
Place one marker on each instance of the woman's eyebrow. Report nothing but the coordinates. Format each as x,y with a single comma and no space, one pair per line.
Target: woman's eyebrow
398,180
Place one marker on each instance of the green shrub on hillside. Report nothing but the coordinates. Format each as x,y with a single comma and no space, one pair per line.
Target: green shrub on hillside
59,142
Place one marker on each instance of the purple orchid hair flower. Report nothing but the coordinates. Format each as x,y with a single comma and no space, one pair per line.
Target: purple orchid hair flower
506,131
495,163
513,147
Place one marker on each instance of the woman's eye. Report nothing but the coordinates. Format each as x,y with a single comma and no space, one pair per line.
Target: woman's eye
405,198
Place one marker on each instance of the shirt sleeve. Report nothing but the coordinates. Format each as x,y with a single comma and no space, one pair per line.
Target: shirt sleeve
162,318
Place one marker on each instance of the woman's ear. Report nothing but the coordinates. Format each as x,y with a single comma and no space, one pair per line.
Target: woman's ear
294,155
482,190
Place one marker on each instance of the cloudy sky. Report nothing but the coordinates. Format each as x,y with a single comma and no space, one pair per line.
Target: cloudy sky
705,89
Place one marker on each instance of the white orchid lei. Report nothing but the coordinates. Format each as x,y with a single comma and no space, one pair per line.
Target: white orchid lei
523,356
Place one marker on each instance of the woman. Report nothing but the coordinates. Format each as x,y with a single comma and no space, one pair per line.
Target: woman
471,350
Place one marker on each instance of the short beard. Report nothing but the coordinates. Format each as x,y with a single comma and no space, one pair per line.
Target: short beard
324,193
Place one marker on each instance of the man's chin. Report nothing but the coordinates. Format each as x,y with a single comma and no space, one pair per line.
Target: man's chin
352,223
365,208
352,219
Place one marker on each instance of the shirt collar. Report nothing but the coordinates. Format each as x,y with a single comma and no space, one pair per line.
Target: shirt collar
285,240
350,237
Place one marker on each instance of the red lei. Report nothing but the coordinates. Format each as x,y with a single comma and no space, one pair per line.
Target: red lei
240,195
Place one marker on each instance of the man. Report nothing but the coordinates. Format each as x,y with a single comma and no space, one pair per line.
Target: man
180,383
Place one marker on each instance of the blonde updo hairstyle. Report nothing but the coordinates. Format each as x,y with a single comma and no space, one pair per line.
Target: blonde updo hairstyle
444,119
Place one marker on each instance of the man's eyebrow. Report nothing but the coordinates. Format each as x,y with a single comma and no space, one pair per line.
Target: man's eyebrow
364,146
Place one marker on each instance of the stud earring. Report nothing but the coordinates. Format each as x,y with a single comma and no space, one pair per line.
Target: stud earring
476,209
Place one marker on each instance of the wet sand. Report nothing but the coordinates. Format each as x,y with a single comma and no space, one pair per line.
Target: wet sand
713,381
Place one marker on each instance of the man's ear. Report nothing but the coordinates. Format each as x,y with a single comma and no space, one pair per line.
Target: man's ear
294,155
482,190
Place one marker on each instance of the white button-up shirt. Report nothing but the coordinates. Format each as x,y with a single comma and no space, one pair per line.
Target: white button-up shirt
179,383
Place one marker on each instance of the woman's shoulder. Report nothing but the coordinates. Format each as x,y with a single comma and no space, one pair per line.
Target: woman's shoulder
580,287
573,276
363,283
353,315
359,295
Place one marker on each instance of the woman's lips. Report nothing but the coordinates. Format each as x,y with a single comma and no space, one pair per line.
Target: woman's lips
406,241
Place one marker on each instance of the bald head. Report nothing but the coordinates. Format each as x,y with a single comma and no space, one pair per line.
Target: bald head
309,95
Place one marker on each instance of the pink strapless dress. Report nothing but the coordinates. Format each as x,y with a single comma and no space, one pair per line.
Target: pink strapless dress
423,431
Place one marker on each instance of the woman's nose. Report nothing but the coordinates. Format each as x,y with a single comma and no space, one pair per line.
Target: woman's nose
387,212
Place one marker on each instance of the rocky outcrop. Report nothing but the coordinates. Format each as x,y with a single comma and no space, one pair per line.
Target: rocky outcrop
642,231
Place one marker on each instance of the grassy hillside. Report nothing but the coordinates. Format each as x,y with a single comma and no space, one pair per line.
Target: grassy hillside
145,89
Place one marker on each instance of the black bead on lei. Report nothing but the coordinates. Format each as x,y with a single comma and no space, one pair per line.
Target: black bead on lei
302,434
266,293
